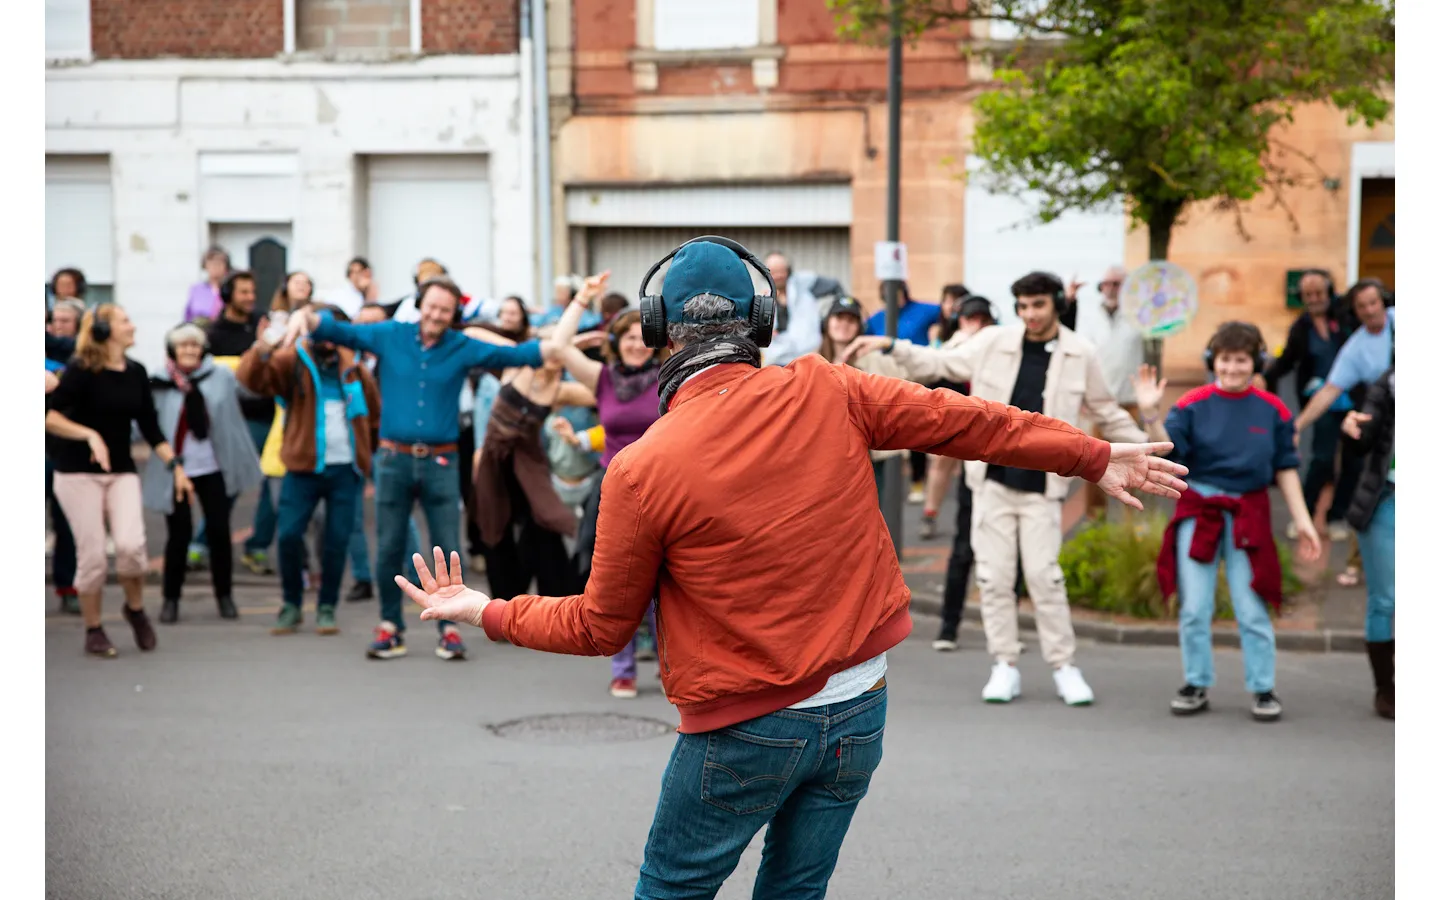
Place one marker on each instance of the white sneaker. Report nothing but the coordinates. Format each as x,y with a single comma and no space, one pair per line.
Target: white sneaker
944,645
1004,684
1071,686
1292,531
1338,532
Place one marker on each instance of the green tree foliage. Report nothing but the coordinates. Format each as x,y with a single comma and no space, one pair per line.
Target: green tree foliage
1164,103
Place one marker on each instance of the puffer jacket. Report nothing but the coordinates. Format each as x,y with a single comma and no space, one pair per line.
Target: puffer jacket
1377,442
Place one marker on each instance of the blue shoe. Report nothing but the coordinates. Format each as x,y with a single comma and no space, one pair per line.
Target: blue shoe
388,644
450,647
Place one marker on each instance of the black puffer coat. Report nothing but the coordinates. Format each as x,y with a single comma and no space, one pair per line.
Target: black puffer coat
1377,441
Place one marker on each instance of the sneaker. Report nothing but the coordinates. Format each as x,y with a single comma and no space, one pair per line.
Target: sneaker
1071,687
325,621
917,494
927,527
945,643
1292,531
140,624
1338,532
1266,707
1190,701
1004,684
645,646
196,561
97,644
450,646
258,562
360,591
388,644
289,620
69,601
624,688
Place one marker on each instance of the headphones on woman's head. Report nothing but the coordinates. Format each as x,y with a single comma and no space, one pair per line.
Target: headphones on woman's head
1258,355
653,324
100,328
172,338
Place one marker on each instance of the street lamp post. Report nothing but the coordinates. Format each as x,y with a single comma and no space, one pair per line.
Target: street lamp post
893,499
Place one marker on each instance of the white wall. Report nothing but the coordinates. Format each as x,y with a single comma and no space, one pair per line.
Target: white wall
153,118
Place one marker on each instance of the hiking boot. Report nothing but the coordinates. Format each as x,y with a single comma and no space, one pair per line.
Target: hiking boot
1190,701
97,644
1266,707
227,608
325,621
69,601
289,620
360,591
170,611
140,624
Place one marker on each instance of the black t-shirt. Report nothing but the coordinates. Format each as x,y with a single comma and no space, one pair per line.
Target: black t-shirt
229,338
1029,395
107,401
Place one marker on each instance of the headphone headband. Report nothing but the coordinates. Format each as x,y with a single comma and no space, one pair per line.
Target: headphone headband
653,324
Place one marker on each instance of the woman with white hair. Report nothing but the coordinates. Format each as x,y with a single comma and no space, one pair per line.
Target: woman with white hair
198,408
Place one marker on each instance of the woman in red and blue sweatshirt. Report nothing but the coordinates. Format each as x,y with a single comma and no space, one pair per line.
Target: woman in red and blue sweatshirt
1236,440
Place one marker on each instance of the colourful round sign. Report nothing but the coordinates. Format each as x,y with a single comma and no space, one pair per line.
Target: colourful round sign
1159,299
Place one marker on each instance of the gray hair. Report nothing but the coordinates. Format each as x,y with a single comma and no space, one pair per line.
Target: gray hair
709,317
75,306
186,333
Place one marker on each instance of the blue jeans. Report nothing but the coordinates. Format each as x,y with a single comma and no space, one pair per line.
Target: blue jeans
300,492
1377,552
802,772
1197,608
401,480
360,548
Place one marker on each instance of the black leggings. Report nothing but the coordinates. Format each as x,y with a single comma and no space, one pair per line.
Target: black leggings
962,558
537,555
215,506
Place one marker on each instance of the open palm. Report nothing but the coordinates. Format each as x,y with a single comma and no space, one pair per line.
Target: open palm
444,594
1138,467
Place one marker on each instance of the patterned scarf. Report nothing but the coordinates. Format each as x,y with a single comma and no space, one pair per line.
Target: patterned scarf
632,381
196,416
692,358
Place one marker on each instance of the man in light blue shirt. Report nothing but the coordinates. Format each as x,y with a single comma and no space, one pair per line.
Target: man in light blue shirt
421,366
1365,357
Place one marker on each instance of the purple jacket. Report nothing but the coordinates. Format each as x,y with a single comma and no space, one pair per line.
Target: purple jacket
203,302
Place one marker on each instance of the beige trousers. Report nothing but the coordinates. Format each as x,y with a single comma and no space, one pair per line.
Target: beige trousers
1005,524
89,501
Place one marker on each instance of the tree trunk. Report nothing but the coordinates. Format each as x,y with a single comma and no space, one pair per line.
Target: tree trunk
1161,224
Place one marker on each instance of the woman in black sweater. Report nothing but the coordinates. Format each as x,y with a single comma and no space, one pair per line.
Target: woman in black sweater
101,393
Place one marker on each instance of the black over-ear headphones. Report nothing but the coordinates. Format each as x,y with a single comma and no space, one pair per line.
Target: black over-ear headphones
100,328
1258,355
227,287
450,288
1057,296
1386,296
170,347
653,324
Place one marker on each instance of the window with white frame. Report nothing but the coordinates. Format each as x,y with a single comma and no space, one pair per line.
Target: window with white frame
706,24
67,29
79,228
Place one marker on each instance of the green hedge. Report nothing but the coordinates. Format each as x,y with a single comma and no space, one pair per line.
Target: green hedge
1110,567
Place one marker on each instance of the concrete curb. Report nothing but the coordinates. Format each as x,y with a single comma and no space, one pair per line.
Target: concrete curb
1164,635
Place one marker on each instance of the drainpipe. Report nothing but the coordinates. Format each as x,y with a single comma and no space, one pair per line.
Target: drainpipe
527,141
541,41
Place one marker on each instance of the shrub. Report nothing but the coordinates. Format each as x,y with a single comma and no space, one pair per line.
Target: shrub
1110,567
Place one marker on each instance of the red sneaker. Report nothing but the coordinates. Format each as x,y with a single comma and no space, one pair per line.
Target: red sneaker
623,688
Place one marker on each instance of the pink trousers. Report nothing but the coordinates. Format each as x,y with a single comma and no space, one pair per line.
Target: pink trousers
89,503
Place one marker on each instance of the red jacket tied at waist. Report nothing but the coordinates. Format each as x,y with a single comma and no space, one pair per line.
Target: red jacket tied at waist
1251,530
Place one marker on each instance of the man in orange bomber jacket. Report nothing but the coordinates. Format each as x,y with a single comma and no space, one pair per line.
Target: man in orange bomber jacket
749,510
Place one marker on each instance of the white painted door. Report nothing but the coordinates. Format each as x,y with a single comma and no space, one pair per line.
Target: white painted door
434,206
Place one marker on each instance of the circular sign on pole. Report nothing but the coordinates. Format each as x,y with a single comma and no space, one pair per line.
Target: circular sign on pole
1159,299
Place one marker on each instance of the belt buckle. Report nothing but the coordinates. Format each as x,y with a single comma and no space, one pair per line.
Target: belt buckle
420,451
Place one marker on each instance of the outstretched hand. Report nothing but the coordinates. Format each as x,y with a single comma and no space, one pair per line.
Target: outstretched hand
865,343
1137,467
444,594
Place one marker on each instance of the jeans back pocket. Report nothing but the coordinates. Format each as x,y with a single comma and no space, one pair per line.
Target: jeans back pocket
746,773
859,758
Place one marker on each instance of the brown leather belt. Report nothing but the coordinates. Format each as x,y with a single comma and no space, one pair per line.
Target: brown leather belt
877,685
419,451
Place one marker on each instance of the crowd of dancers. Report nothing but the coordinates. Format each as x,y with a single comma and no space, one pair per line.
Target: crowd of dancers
499,424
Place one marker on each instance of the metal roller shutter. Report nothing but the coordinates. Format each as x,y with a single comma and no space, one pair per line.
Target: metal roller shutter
629,252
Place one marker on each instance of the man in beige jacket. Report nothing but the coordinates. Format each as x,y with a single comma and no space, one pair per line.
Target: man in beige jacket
1037,366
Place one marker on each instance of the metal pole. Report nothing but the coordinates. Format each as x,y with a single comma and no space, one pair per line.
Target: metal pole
893,501
538,281
545,229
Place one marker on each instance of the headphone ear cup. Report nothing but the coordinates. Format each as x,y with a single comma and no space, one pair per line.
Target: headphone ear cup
100,331
227,291
653,327
762,320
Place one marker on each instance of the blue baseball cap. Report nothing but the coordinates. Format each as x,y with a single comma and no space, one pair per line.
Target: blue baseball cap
706,268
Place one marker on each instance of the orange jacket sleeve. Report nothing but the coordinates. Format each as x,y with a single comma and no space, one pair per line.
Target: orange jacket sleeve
901,415
623,575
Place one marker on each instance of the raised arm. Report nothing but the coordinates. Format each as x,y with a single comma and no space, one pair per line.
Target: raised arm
368,338
265,371
919,364
563,336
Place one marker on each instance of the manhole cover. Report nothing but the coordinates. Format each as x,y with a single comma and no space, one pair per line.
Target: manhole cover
582,728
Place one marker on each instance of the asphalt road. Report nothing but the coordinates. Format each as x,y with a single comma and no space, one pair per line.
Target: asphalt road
233,764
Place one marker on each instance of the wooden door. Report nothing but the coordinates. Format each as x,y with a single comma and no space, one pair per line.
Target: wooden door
1377,230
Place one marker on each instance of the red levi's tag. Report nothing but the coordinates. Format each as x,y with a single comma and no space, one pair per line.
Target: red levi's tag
442,461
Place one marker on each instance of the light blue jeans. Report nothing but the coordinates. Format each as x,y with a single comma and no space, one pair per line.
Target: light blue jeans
1197,608
1377,552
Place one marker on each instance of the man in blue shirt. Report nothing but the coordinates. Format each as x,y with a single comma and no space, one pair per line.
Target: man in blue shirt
915,319
421,367
1366,356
